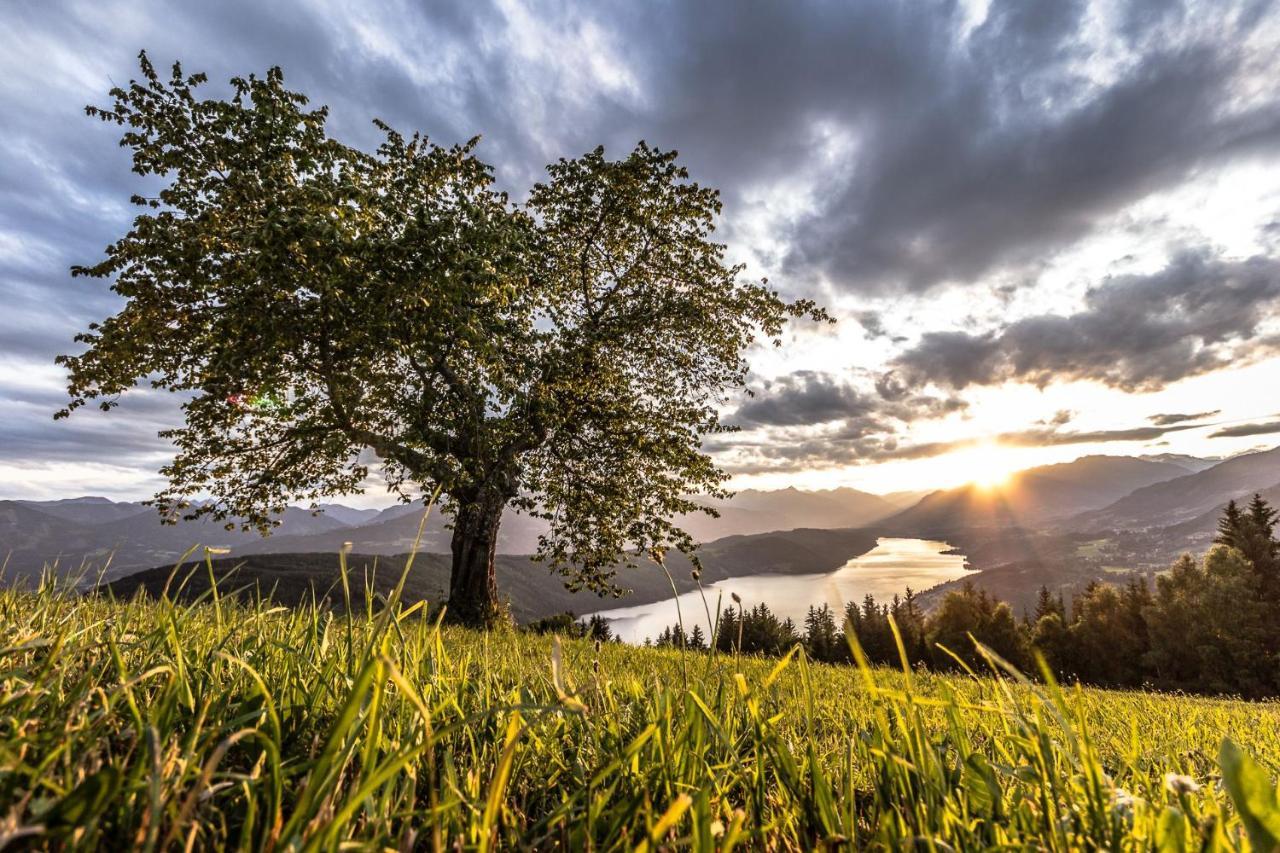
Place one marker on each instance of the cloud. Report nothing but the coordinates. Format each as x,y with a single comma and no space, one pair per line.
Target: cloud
809,398
855,447
1013,146
1173,418
1136,332
1267,428
913,144
803,398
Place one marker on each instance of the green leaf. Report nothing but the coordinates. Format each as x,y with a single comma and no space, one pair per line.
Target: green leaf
1171,831
1253,794
84,802
979,782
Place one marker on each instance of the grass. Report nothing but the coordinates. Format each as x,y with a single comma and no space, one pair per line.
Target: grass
1092,548
160,725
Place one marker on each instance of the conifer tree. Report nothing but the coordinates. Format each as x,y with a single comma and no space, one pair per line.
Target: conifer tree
1229,526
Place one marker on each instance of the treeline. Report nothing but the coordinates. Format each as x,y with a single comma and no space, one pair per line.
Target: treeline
1209,626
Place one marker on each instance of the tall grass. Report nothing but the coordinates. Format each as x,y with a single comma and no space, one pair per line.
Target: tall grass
159,725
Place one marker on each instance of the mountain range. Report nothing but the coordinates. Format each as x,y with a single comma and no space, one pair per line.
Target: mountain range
86,531
1034,497
1178,500
530,589
1056,524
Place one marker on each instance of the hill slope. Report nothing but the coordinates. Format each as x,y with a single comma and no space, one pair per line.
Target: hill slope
1033,497
609,746
92,527
531,589
1184,498
749,512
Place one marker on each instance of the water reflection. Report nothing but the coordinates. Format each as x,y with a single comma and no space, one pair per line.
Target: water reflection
886,570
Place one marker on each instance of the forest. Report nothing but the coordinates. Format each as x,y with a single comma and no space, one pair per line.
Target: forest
1208,626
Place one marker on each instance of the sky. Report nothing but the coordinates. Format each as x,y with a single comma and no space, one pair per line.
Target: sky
1046,228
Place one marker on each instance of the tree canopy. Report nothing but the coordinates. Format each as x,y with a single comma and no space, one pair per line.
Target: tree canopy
313,302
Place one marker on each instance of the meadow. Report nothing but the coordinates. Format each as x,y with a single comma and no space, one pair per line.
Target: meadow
154,724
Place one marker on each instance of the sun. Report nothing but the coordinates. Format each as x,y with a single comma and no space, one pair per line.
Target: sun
987,466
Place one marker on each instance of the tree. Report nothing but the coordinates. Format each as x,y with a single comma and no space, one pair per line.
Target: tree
970,614
311,301
728,629
1262,516
597,628
1229,526
1047,604
1209,631
1109,634
1252,533
821,637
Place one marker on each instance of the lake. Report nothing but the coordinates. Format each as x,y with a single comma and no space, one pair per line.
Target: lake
885,570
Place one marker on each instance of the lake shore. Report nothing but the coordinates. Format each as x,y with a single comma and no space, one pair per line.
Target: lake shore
888,569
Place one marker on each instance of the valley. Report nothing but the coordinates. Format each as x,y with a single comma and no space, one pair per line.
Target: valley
1058,526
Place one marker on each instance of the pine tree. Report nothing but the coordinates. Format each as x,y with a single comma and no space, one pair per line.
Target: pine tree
1046,604
1229,526
820,635
727,630
1262,516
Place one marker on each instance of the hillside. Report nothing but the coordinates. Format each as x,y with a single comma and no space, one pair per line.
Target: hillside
751,510
1185,498
531,590
1033,497
74,529
90,532
89,510
375,734
29,537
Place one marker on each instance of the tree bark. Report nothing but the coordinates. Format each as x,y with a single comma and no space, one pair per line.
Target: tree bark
473,585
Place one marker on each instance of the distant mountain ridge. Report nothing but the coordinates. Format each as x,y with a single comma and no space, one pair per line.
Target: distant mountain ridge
530,588
74,530
1155,494
1183,499
1033,497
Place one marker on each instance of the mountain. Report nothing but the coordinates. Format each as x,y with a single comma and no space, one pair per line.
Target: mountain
349,516
1185,498
1034,497
86,510
904,499
1182,460
749,512
146,527
756,511
532,590
1207,522
94,527
88,531
30,537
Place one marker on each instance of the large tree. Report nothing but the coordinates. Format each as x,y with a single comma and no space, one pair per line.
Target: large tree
312,302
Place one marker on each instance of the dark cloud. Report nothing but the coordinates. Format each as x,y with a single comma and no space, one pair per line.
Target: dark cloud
126,436
1136,332
1056,438
859,447
1174,418
801,399
1001,153
808,398
938,148
1267,428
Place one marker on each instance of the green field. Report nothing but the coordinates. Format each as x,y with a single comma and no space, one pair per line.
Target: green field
156,726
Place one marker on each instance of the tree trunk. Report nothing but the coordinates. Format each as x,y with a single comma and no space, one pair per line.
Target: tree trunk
473,586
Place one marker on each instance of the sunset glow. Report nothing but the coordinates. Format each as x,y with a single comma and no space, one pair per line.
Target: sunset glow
988,465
